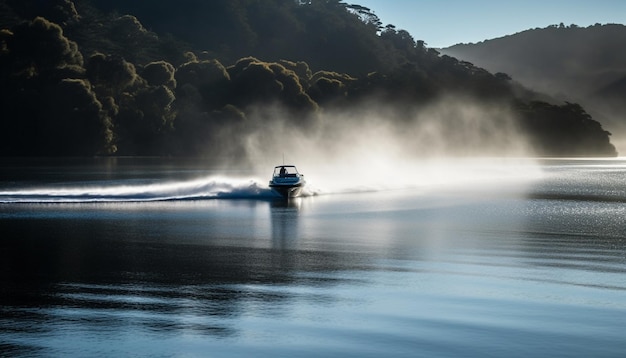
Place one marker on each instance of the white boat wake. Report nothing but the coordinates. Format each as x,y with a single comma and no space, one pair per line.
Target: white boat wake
119,191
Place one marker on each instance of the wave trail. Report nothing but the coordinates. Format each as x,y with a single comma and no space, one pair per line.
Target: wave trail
116,191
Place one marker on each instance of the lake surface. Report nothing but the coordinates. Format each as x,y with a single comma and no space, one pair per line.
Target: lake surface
149,259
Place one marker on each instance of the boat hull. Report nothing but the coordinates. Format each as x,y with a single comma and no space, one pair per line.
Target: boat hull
286,181
287,191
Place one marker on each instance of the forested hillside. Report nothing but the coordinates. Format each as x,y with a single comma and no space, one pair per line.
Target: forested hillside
192,77
582,64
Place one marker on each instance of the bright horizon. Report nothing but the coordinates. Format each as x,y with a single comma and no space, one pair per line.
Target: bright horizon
445,23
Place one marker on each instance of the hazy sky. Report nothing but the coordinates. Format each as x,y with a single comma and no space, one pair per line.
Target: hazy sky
442,23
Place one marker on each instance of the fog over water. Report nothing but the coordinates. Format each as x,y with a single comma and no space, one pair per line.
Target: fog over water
378,147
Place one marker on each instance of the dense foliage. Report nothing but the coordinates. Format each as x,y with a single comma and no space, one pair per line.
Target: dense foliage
84,77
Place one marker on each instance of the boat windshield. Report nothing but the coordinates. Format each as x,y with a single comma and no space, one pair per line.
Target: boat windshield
285,171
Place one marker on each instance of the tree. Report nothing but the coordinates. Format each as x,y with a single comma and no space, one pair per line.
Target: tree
160,73
39,46
110,74
73,122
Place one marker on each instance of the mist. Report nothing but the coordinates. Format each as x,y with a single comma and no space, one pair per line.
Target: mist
454,141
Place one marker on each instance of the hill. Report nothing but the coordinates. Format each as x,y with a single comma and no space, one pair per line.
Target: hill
222,79
582,64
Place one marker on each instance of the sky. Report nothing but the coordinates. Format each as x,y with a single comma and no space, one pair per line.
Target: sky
443,23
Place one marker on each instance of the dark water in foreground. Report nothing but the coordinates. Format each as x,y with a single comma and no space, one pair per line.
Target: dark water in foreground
94,263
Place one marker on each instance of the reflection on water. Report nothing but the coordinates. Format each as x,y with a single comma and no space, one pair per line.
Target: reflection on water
284,217
397,273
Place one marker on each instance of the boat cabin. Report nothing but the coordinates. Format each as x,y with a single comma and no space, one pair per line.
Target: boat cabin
285,171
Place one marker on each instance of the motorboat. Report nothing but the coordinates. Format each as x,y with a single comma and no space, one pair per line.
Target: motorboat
286,181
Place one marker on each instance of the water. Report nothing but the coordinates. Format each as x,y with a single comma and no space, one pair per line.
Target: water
153,259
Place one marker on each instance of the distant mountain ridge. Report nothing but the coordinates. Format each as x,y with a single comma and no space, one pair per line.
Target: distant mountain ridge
582,64
551,58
